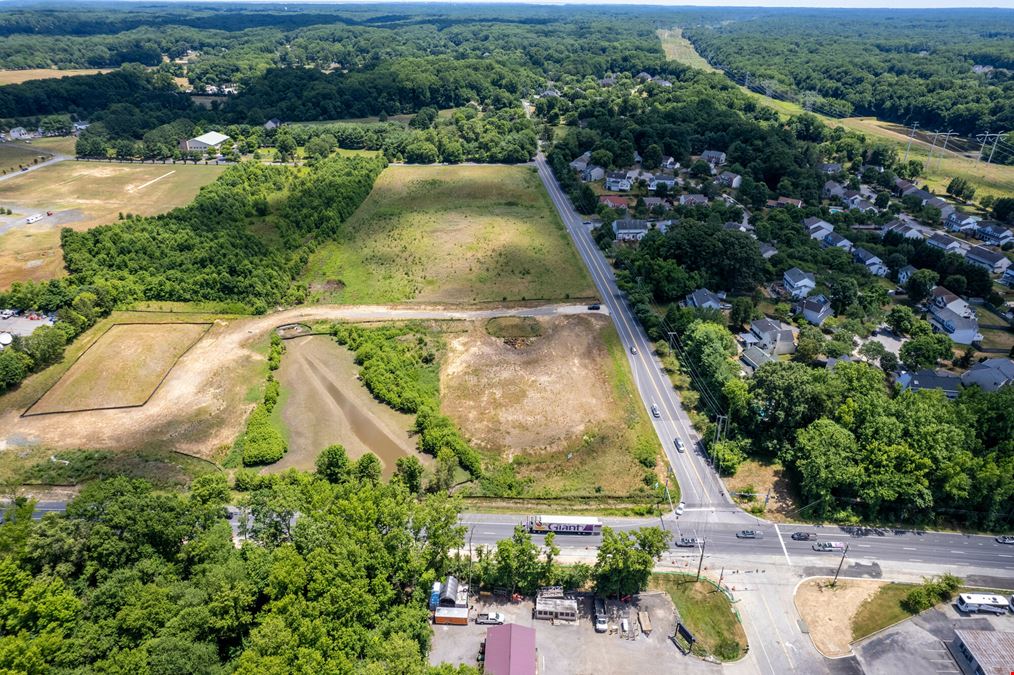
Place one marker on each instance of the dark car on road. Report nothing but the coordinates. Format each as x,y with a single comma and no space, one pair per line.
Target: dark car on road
750,534
595,307
804,536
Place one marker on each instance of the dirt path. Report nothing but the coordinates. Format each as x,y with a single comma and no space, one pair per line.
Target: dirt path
201,406
828,612
326,404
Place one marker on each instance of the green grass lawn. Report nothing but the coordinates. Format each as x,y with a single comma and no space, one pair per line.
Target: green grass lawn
880,611
454,234
707,613
678,48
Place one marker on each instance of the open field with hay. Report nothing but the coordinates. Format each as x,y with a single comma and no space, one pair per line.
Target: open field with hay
13,156
82,195
28,74
456,234
122,368
559,401
678,48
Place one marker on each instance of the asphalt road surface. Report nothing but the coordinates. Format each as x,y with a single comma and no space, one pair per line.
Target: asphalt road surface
698,483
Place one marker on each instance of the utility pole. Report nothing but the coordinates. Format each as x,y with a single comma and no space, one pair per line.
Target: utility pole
721,577
982,137
947,137
840,563
700,563
936,135
471,531
915,126
985,138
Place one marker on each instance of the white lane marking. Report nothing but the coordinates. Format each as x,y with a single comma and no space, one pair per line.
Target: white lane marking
915,559
863,545
906,548
154,180
1004,555
782,542
960,552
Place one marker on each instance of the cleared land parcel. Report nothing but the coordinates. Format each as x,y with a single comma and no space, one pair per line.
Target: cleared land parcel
450,234
82,195
123,368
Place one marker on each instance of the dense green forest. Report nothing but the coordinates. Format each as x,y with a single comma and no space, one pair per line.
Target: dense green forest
134,580
901,66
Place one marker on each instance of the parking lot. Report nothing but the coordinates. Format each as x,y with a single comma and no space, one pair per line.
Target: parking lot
921,644
567,649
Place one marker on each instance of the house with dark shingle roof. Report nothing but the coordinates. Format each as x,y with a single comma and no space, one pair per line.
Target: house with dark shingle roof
816,310
928,380
992,261
798,283
990,375
702,298
871,262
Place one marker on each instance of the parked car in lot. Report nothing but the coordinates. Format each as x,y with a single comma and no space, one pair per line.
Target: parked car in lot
804,536
1005,539
680,445
750,534
655,412
829,546
490,619
601,618
687,542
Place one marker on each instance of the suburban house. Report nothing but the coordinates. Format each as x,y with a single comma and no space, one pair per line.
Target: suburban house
829,168
272,124
960,222
634,175
872,263
667,179
900,185
900,227
669,163
655,202
994,262
592,172
816,310
835,240
994,233
942,205
745,228
771,336
924,380
617,180
990,374
768,251
944,242
714,158
952,316
613,201
630,229
581,162
858,203
662,83
19,134
729,179
905,273
941,298
817,228
782,202
208,142
510,650
1008,277
922,196
693,200
753,358
798,283
702,298
832,190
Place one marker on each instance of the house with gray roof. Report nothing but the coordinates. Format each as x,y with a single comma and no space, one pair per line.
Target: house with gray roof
618,181
829,168
768,251
702,298
714,158
817,228
729,179
816,310
773,336
798,283
871,262
630,229
962,222
832,190
928,380
990,375
835,240
992,261
944,242
993,233
753,358
905,273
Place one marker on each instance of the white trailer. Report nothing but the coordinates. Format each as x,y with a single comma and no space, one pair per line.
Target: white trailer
563,525
35,218
982,602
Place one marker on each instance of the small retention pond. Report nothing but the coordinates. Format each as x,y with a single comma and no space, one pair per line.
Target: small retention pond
325,403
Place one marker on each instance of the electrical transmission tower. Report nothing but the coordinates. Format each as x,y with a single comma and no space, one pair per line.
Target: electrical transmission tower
985,138
915,126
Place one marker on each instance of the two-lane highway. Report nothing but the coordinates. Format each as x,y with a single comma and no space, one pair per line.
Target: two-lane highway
699,486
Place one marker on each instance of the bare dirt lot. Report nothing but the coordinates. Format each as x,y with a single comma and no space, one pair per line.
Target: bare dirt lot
142,354
554,403
324,403
203,403
828,612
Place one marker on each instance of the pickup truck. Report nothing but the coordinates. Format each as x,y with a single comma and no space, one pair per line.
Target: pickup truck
490,619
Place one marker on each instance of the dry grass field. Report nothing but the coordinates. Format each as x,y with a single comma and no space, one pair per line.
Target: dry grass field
123,368
456,234
83,195
560,404
829,611
19,76
678,48
13,156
